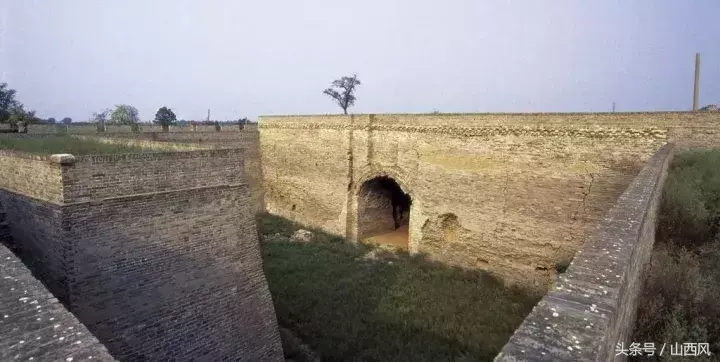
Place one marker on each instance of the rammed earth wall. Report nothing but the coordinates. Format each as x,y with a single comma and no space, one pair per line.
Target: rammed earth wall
525,189
592,307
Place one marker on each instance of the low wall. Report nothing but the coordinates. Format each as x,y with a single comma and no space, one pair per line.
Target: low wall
144,127
103,176
35,325
247,140
31,175
592,306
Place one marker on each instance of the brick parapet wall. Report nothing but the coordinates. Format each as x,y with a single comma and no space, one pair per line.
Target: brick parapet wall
144,128
103,176
592,306
171,233
35,176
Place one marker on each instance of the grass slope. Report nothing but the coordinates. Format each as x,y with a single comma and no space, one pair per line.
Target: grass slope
354,302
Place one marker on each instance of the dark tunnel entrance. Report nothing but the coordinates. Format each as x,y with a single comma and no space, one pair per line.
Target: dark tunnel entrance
383,212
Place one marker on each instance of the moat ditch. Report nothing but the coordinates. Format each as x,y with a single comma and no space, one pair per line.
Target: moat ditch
365,302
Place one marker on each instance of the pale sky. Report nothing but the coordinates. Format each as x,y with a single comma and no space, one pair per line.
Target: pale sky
250,58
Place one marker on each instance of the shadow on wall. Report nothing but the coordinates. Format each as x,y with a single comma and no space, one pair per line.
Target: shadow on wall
171,276
169,320
352,301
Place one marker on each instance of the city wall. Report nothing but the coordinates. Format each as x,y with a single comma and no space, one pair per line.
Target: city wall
514,194
156,253
593,305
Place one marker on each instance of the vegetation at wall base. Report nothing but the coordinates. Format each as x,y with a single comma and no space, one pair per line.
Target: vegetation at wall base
48,145
362,302
680,300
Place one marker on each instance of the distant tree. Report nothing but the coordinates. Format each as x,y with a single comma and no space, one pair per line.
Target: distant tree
344,95
51,120
242,122
66,120
100,119
165,117
8,104
124,114
217,126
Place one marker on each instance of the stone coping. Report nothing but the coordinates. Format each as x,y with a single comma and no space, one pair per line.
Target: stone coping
593,304
34,325
68,159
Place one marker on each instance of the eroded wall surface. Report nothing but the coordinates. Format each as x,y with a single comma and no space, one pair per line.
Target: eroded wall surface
522,190
592,308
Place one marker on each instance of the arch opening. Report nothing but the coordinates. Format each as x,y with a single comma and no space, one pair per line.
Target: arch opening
383,212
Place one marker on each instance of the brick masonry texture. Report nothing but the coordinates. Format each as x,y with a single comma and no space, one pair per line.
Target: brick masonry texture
35,325
592,307
102,176
156,253
247,140
525,190
31,175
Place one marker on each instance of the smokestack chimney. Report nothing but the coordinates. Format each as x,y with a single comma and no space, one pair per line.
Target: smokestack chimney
696,92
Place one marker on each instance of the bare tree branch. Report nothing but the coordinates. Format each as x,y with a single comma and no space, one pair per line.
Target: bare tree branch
345,97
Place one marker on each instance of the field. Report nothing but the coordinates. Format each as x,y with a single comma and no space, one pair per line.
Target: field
355,302
64,144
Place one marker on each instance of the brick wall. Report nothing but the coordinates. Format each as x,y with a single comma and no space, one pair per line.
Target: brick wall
35,227
247,140
102,176
156,253
524,189
184,266
592,307
110,128
31,175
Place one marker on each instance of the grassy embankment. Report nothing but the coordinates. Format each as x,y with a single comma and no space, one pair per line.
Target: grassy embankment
681,296
359,302
65,144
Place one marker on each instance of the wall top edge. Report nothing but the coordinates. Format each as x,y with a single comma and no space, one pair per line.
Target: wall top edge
516,114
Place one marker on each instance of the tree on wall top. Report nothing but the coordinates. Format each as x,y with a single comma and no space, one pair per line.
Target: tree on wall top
344,96
165,117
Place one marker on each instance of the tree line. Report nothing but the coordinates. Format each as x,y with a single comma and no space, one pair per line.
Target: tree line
13,113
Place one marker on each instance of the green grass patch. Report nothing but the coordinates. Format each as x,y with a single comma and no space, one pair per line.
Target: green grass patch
690,208
65,144
680,300
356,302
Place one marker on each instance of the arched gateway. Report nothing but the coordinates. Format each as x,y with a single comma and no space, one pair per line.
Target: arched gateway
383,212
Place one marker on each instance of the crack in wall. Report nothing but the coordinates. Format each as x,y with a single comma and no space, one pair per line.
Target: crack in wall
350,188
505,201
